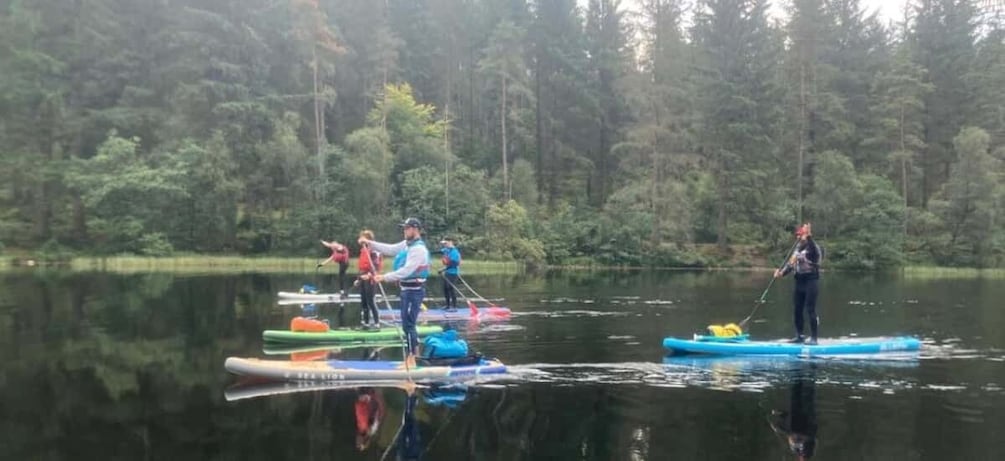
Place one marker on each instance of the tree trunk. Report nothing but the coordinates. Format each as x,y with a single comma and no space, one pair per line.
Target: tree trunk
446,140
723,221
539,139
802,142
903,166
507,190
318,122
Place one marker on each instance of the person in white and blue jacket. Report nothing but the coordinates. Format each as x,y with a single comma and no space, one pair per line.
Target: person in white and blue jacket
411,269
451,271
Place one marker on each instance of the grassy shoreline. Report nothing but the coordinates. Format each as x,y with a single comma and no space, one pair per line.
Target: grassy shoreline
200,264
242,264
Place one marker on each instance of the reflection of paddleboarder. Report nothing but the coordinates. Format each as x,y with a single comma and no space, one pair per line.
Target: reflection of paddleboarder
409,447
369,409
799,424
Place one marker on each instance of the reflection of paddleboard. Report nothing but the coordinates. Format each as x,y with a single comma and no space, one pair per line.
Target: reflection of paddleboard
825,347
757,371
269,388
355,370
338,336
781,363
461,313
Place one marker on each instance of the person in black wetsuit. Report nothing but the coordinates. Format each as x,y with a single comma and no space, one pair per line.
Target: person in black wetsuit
805,262
799,424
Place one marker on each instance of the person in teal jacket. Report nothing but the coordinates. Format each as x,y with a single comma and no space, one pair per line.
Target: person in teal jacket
451,271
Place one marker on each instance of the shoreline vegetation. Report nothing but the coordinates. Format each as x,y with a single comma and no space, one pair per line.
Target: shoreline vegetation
223,264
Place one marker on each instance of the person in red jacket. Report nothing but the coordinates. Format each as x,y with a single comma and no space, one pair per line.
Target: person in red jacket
340,254
370,262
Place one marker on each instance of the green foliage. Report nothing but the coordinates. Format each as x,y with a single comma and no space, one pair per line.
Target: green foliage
967,202
625,133
423,194
858,217
508,236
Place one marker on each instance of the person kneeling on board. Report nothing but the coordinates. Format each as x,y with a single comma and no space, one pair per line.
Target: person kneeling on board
805,262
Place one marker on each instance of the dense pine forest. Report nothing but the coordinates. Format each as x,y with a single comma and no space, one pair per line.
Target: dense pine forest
654,132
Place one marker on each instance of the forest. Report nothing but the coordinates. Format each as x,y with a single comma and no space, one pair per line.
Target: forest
644,132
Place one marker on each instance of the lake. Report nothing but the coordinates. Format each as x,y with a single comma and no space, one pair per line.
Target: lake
106,366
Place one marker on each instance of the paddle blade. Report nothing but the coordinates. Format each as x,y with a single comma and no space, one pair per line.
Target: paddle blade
473,308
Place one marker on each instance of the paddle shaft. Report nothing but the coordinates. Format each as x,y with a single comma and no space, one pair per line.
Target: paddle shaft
465,282
404,345
770,283
461,293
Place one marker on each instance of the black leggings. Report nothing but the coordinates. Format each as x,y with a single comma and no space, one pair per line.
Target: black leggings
367,301
805,297
342,268
449,292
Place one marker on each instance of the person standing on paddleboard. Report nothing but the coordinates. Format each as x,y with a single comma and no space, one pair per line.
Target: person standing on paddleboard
411,269
451,271
805,262
340,254
369,262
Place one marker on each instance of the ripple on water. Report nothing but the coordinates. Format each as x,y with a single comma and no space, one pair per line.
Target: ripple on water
570,313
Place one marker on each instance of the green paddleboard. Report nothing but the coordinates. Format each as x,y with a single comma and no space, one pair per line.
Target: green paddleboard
274,348
341,336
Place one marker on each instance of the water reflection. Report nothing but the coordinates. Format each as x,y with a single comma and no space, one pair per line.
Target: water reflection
798,424
371,410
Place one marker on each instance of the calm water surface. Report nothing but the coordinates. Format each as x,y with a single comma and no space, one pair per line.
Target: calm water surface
100,366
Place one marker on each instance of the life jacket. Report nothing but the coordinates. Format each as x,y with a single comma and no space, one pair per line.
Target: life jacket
422,273
369,261
802,264
341,257
368,413
444,345
451,267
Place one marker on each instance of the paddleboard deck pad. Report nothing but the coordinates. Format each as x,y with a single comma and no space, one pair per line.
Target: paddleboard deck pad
340,336
825,347
352,370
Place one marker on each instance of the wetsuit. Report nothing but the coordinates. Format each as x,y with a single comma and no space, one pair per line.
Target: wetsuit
805,262
451,275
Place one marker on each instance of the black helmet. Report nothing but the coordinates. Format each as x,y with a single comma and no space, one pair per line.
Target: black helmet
411,222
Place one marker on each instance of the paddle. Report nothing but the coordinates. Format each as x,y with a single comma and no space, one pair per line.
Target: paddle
401,336
482,298
471,305
772,282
